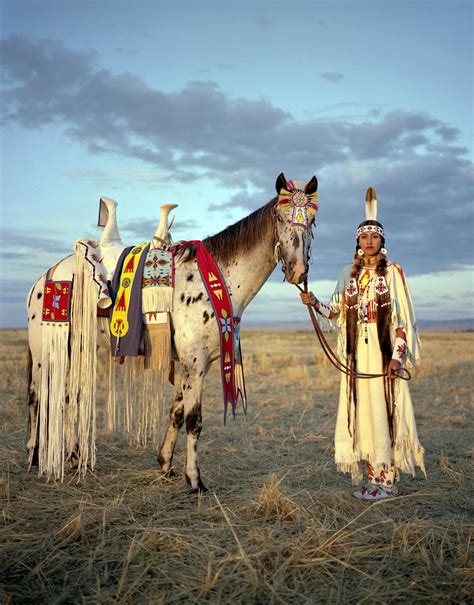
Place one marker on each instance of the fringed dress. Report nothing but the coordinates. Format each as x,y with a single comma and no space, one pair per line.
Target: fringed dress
362,430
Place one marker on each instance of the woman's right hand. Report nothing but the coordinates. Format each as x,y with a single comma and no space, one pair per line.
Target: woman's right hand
308,298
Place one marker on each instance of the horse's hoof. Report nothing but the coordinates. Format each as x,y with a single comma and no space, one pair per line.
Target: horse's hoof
200,489
170,474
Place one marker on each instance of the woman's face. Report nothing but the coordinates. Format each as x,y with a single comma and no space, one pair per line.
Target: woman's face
370,242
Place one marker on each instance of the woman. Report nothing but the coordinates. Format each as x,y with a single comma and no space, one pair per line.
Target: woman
378,335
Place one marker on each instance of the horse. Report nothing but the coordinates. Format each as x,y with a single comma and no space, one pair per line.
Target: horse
246,252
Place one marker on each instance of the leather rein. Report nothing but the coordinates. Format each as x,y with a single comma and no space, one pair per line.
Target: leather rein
402,373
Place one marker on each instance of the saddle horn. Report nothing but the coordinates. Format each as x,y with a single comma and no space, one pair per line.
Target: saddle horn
108,220
162,231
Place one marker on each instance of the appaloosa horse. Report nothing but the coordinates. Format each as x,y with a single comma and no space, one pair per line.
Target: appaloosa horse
246,253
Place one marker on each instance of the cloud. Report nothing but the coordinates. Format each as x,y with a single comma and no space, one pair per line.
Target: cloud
27,246
424,178
332,76
126,51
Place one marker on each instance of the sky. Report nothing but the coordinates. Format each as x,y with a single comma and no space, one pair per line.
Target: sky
204,104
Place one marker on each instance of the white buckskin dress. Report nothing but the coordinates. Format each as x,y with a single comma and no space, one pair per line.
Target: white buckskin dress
371,440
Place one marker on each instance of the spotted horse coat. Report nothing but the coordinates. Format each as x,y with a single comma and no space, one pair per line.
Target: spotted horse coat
247,253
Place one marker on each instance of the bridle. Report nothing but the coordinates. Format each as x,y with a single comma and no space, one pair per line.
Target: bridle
276,241
334,359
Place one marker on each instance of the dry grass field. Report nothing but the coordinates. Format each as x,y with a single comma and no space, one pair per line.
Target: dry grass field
278,524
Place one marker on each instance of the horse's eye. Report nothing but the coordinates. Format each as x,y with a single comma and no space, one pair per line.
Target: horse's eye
279,219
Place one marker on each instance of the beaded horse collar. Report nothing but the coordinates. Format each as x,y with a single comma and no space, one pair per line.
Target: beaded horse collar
302,205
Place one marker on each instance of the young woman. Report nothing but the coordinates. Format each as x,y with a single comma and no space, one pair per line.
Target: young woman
378,335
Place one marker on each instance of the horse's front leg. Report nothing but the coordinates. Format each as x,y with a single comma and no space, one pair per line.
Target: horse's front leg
192,380
165,457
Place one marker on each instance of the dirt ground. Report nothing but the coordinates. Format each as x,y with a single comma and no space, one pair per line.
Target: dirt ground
278,524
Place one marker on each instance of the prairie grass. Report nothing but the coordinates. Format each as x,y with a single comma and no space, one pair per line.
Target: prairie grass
278,524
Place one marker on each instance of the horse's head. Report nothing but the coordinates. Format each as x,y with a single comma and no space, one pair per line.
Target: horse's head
294,210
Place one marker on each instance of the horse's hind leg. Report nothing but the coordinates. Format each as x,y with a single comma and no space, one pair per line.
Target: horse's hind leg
165,457
35,304
31,434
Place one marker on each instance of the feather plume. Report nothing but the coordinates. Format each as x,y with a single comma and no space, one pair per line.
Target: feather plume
371,204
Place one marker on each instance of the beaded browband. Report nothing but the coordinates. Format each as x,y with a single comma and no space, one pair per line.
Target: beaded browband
369,229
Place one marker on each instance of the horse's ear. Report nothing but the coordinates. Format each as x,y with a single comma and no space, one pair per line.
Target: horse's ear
312,186
280,182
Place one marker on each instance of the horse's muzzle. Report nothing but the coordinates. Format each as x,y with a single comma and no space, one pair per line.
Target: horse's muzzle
296,273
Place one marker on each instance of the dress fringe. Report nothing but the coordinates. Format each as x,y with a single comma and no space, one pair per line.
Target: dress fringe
405,457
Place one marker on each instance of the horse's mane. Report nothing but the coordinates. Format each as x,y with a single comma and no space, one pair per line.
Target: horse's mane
239,237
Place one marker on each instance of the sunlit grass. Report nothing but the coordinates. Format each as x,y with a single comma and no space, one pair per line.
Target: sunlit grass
278,524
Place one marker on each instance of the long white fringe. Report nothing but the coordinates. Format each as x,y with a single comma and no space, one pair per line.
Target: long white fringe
144,402
81,421
157,298
52,399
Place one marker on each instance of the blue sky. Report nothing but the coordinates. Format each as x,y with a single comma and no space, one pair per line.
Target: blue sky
205,103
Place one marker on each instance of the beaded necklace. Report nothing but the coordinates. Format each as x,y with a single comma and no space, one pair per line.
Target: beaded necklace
364,292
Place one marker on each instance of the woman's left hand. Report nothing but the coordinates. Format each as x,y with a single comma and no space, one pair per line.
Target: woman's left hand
393,368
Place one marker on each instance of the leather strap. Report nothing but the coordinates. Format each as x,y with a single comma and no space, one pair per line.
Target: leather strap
401,373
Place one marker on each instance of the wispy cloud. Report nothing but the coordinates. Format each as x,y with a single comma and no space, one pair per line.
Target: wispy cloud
332,76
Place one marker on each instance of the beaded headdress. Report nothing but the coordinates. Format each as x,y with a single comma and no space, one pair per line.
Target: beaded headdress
370,215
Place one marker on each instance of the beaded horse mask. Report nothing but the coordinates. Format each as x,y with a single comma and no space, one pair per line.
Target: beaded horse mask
299,198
